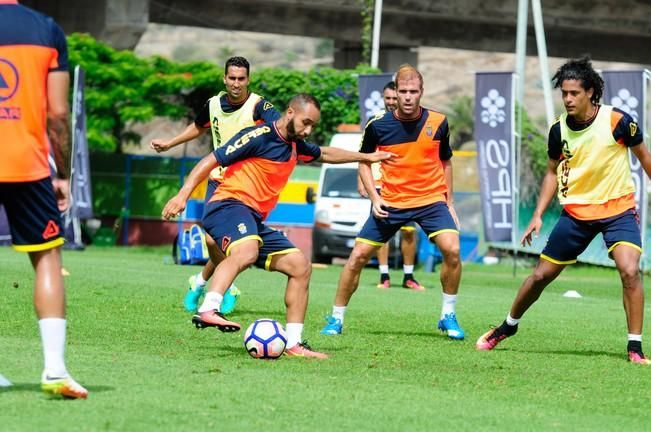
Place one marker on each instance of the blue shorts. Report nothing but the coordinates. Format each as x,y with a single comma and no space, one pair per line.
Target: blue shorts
210,190
230,222
434,219
409,226
570,236
33,215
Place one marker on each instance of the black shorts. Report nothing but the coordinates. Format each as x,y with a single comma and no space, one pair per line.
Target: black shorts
34,218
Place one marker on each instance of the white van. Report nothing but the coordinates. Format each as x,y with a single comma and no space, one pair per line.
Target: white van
339,211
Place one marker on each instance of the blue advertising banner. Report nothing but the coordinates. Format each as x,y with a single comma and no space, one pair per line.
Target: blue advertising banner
371,101
625,90
495,139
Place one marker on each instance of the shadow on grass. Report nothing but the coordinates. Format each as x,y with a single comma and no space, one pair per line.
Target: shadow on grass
31,387
584,353
434,333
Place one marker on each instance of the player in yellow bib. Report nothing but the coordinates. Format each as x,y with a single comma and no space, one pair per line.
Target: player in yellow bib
588,167
224,115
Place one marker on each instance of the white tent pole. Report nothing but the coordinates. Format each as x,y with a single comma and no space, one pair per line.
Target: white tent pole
377,24
541,44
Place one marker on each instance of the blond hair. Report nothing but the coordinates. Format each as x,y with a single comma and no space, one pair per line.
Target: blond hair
407,72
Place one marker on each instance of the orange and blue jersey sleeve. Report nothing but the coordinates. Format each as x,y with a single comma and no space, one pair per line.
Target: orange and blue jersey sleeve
625,129
443,136
60,62
265,112
307,152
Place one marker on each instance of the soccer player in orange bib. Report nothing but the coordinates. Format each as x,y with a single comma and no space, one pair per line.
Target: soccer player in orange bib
588,166
260,161
416,186
34,82
407,232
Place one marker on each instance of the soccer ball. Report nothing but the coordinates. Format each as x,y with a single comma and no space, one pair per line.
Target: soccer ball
265,339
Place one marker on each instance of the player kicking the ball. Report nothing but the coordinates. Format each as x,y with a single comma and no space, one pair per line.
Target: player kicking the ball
260,161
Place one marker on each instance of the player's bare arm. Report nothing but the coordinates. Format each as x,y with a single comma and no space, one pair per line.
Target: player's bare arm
191,132
547,192
198,174
58,131
643,155
447,169
336,155
378,206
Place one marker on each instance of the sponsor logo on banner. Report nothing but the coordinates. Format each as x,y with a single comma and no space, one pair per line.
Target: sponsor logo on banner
371,100
495,154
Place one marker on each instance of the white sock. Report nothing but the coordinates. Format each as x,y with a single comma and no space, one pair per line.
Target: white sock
408,269
635,337
294,334
511,321
449,304
338,312
53,338
212,301
384,269
199,281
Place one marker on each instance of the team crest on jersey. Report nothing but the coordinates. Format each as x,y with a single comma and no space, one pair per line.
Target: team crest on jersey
267,105
241,227
428,131
633,127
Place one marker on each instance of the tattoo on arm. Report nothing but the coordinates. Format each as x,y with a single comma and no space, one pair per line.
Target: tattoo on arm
58,131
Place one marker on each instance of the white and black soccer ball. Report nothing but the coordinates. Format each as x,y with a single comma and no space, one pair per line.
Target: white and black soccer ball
265,339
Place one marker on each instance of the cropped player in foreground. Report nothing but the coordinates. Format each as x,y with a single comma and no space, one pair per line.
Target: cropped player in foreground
416,186
224,115
260,161
34,107
588,165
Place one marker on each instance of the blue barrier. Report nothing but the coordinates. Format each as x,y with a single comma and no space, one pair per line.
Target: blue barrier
430,255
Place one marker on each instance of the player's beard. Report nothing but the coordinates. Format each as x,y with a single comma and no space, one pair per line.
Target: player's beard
291,131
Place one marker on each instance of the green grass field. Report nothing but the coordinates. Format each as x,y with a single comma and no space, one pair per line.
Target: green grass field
148,369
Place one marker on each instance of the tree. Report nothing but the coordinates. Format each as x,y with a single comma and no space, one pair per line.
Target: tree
461,119
122,87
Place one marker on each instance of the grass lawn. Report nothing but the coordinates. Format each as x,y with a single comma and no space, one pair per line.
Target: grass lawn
148,369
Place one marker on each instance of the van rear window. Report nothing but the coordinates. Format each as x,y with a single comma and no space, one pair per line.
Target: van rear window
340,183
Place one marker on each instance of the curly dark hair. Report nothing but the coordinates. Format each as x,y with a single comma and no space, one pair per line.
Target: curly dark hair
581,69
237,62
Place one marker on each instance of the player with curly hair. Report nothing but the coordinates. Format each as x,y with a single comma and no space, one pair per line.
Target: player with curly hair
589,169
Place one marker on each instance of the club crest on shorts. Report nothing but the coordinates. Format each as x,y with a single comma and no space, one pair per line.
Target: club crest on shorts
225,242
241,227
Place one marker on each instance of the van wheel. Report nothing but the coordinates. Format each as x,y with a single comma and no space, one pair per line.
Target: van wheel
321,259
